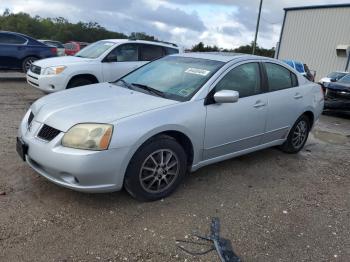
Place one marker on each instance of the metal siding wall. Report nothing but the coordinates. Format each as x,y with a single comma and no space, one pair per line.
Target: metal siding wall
311,36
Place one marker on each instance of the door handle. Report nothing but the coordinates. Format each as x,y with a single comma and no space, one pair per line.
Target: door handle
298,96
259,104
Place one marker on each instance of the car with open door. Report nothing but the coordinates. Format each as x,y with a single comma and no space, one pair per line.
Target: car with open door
147,130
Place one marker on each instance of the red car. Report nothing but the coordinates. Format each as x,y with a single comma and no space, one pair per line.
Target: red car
73,47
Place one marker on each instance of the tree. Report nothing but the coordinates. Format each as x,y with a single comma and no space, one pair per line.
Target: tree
244,49
142,36
57,28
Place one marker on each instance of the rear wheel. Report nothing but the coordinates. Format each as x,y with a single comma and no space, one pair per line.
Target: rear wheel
156,169
79,81
27,62
297,136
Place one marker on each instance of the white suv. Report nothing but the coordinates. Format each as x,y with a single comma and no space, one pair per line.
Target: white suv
103,61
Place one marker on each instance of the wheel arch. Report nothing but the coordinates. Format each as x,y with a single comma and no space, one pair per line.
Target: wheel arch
89,76
180,137
310,115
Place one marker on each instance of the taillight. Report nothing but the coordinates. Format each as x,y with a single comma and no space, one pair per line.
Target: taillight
54,50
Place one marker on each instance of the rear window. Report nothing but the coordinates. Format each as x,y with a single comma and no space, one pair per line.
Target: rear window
69,46
11,39
151,52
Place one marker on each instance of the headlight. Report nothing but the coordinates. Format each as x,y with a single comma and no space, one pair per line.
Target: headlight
88,136
53,70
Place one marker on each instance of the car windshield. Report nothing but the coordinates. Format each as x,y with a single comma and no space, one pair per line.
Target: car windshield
345,79
336,75
95,50
175,77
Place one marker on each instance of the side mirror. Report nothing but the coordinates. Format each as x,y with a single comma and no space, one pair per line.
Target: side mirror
333,80
110,59
226,96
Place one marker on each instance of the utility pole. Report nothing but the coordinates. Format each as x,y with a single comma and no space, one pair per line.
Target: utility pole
257,27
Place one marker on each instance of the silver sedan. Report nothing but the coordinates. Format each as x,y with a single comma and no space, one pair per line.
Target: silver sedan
145,131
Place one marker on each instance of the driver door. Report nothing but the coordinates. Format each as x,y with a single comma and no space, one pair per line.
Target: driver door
233,127
120,61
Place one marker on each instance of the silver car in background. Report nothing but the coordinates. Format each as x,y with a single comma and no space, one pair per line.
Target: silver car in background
61,51
176,114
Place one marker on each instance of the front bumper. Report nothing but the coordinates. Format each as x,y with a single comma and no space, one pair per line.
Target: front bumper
80,170
47,83
337,105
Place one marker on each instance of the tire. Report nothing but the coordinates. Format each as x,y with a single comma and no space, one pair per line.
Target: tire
148,179
27,63
79,81
297,136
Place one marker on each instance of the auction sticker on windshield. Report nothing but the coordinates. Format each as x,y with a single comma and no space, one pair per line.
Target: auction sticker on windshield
197,71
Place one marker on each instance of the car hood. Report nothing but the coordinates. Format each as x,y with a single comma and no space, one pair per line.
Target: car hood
339,86
325,80
62,61
98,103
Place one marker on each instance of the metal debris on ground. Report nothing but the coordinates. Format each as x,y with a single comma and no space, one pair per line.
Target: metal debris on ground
222,246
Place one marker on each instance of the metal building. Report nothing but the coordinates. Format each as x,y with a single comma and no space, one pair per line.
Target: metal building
318,36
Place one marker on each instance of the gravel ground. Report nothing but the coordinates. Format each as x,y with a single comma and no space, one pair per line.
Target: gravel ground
272,206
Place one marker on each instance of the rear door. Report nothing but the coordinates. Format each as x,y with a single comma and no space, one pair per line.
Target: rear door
12,48
285,101
233,127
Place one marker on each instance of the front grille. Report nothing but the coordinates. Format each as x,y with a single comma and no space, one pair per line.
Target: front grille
48,133
35,69
30,118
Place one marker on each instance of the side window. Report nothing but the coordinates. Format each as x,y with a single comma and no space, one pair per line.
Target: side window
170,51
245,79
279,77
11,39
151,52
124,53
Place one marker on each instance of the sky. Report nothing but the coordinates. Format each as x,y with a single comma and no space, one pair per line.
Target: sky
225,23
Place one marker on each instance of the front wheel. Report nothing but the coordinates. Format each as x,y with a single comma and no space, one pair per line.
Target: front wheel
156,169
297,136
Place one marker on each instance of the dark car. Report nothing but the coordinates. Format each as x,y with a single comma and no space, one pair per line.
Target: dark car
18,51
337,96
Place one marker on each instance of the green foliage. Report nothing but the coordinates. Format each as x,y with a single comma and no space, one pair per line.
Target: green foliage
142,36
244,49
56,28
201,48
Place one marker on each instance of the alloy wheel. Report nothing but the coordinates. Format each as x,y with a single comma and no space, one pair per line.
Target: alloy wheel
300,134
28,63
159,171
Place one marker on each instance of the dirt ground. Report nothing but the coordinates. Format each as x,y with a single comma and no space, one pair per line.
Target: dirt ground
272,206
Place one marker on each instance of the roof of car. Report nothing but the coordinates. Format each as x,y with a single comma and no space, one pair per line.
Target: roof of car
218,56
162,43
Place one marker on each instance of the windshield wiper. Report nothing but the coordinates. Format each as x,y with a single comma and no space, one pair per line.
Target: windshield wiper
150,89
128,85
